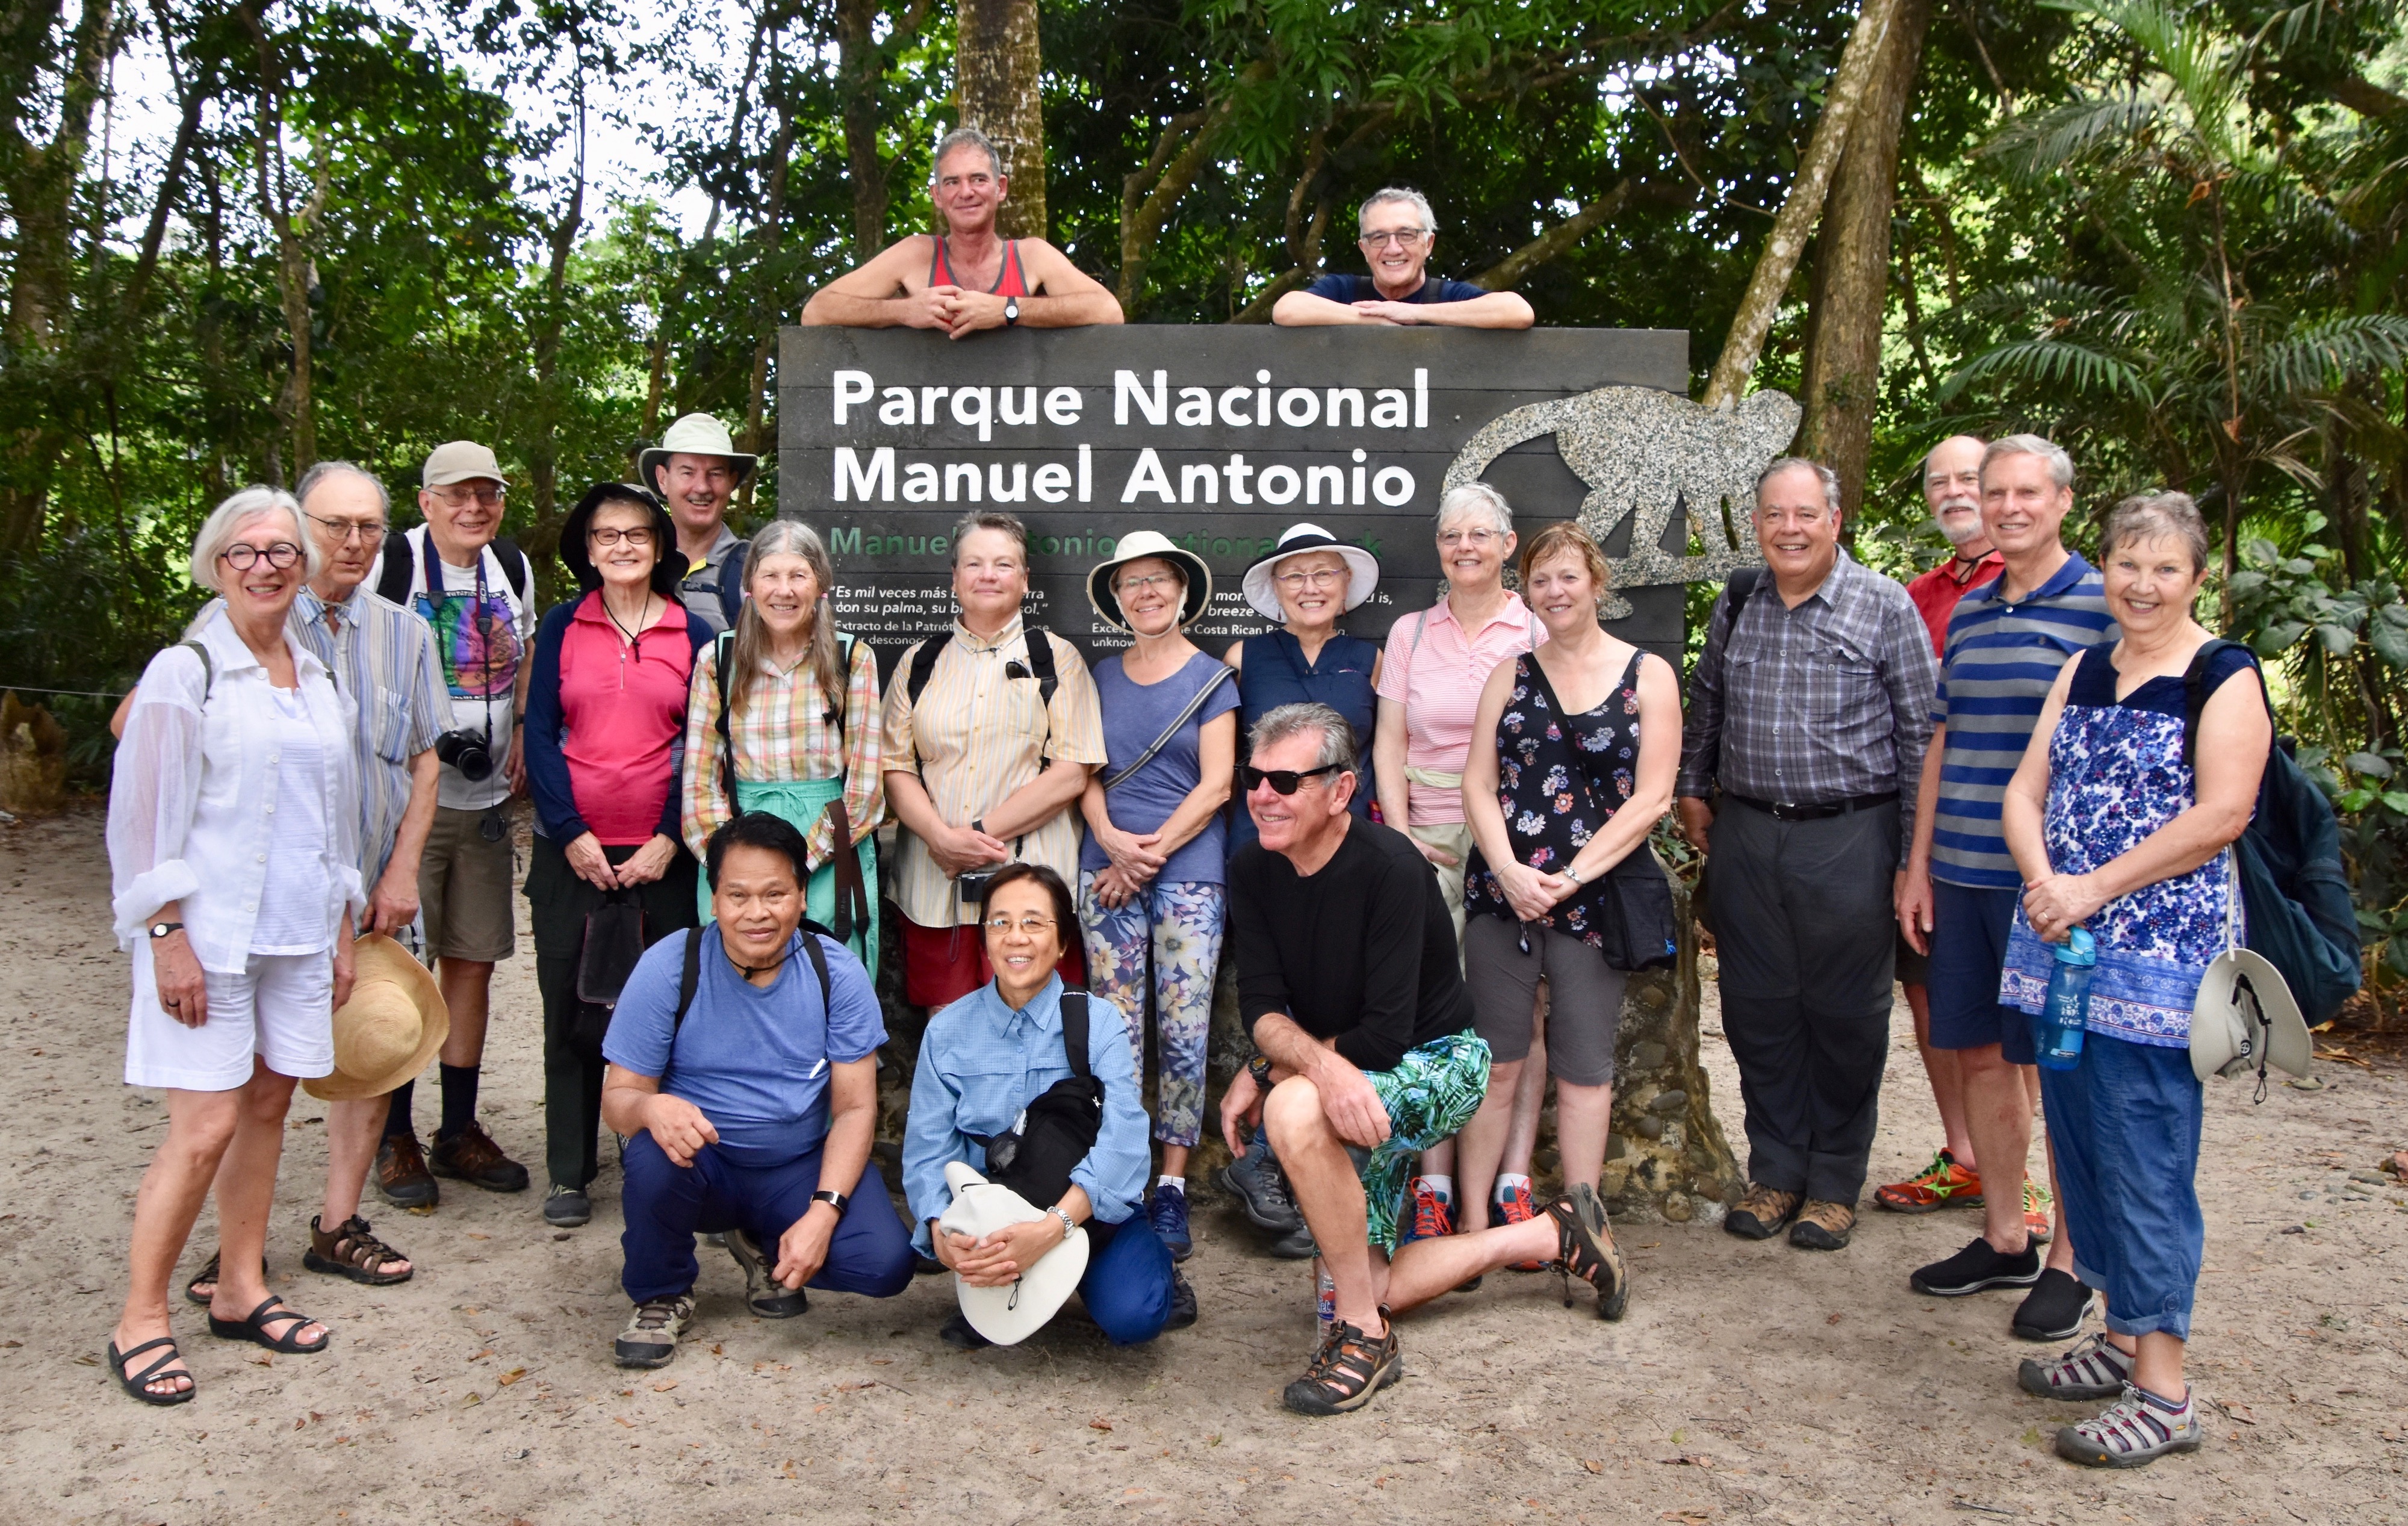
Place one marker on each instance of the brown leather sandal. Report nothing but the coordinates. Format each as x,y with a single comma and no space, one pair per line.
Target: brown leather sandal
352,1251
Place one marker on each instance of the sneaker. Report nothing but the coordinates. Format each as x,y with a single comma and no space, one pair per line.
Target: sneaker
764,1294
471,1156
2039,1213
401,1175
1977,1268
1297,1245
1182,1303
2093,1369
1762,1212
1824,1226
1168,1214
1345,1372
2135,1430
1518,1204
1585,1250
1432,1216
1943,1184
566,1207
959,1333
1261,1187
2053,1309
652,1334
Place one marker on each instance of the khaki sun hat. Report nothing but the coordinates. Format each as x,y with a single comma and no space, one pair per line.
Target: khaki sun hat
1010,1314
392,1026
1135,548
2245,1014
460,461
696,434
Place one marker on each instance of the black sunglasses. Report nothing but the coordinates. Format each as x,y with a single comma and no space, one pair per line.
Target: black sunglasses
1285,781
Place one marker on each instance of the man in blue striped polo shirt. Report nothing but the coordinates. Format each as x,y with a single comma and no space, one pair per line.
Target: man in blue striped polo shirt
2007,641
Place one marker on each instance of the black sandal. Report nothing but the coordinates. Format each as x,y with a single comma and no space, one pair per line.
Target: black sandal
352,1251
139,1384
1585,1249
1346,1372
253,1328
209,1273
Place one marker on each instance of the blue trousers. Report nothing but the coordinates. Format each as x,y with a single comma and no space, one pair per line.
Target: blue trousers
1127,1285
666,1204
2125,1126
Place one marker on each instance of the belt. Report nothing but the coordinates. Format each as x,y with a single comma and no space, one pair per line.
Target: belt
1790,810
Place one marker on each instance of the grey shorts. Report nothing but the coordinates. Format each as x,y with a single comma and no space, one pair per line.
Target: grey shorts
464,885
1583,997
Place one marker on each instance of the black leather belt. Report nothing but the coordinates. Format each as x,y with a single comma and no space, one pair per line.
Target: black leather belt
1790,810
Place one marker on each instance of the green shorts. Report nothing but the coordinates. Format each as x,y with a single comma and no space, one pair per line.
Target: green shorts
1430,1095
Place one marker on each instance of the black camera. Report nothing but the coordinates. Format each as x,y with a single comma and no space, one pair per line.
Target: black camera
466,750
973,883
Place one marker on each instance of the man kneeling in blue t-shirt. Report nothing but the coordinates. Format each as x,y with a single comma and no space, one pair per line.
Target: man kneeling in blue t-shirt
751,1109
1396,232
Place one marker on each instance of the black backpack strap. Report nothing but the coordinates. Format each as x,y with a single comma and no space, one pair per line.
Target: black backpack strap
516,568
923,665
731,584
690,978
2195,694
392,581
1074,1032
1736,589
1040,666
721,648
208,669
812,933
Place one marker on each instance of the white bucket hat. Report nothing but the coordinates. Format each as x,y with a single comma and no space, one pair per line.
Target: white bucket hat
695,434
1135,548
1362,569
2245,1014
1010,1313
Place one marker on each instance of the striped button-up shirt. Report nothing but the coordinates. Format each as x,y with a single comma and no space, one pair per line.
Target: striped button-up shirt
782,735
1826,701
978,733
2002,659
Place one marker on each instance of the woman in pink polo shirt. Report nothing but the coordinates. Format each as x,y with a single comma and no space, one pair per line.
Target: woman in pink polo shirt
606,713
1430,679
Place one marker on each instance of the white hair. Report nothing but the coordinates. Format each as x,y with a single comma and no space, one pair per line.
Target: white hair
1826,479
2060,466
1476,498
317,475
227,520
1386,195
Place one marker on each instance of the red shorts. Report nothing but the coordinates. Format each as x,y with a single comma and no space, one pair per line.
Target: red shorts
943,965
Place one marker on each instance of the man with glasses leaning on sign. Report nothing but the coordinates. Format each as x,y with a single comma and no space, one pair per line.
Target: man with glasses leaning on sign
1399,231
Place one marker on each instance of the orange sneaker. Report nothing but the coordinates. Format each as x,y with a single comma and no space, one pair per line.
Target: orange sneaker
1943,1184
2040,1212
1518,1204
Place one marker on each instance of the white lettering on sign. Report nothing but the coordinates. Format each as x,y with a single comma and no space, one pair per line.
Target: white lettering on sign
1149,400
874,484
853,387
1125,385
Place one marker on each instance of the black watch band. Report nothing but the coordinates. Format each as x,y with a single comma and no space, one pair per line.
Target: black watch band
1259,1067
160,930
1011,312
834,1200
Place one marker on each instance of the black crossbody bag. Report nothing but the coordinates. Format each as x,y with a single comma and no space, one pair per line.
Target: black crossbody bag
1058,1129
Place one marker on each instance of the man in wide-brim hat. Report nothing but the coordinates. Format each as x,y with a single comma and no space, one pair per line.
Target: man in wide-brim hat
696,471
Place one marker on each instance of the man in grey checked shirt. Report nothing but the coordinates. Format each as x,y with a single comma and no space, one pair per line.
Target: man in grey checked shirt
1811,711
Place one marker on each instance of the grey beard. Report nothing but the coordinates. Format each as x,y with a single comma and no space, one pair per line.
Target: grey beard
1972,527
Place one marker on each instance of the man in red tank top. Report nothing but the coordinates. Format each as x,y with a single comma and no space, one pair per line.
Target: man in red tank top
969,279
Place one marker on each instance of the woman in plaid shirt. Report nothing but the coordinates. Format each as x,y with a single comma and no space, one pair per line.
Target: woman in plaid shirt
801,731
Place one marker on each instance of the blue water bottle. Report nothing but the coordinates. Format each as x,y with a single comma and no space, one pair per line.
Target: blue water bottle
2065,1010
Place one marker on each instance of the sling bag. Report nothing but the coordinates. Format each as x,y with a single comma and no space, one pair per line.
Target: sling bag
1185,715
1057,1129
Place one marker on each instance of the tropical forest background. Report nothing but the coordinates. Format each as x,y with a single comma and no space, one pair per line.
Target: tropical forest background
240,238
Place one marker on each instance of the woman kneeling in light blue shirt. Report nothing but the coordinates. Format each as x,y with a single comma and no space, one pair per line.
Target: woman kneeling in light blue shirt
983,1060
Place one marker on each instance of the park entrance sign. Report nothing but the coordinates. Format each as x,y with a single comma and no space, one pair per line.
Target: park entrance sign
1220,438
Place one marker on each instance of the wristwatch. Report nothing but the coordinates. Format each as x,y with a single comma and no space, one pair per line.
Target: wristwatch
834,1200
978,824
1573,875
1068,1224
1259,1067
1011,312
160,930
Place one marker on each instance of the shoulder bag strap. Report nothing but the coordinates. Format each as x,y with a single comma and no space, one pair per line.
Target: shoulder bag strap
2194,696
208,669
393,581
1074,1032
722,648
1040,667
1185,715
923,666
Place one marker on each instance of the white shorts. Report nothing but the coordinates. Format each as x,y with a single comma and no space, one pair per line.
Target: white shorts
280,1007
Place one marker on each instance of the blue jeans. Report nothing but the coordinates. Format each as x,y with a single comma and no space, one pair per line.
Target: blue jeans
1126,1287
2125,1126
665,1204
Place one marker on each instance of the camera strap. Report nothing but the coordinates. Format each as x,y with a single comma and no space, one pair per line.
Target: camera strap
437,593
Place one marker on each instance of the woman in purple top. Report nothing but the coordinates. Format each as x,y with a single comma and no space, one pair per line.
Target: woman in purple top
1149,872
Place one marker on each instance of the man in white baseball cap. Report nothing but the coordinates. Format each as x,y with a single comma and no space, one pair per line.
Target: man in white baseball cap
697,470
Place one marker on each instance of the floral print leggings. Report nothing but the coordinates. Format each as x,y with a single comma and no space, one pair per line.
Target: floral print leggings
1181,923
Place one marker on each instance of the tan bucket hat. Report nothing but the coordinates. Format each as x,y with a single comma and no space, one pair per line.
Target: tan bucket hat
696,434
392,1026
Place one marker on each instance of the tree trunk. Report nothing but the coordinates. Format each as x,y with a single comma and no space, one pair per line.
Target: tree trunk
996,70
1852,261
756,422
1779,262
295,403
861,70
1557,241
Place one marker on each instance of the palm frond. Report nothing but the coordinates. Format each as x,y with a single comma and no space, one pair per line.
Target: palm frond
2320,354
2040,144
2057,363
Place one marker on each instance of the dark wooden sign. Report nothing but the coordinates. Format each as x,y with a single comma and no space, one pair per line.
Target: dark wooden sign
1219,437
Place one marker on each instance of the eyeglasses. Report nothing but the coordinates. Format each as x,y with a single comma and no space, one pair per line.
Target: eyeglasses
608,536
1401,237
1296,582
347,530
1032,925
1478,540
1146,584
1285,781
460,497
281,555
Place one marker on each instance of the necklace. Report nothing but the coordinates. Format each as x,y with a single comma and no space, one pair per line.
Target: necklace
749,971
641,615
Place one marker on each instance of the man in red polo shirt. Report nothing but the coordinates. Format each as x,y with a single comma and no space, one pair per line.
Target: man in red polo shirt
1952,489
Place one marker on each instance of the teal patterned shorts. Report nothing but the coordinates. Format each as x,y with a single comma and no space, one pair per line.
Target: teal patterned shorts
1429,1096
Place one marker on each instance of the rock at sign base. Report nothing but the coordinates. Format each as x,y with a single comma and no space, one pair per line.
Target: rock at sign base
33,759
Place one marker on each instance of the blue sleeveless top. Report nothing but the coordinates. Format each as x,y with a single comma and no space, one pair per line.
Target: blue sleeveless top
1275,672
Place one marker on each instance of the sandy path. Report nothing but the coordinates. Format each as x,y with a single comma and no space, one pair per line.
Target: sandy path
1748,1381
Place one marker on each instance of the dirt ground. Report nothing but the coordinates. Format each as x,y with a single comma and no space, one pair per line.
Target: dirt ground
1748,1382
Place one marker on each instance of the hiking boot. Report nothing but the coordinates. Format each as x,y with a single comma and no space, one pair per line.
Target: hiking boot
2093,1369
2039,1213
1943,1184
1261,1188
1432,1216
402,1178
1977,1268
2053,1309
1345,1372
2135,1430
1182,1303
1762,1212
471,1156
764,1294
1168,1214
566,1207
1518,1204
1585,1249
652,1334
1824,1226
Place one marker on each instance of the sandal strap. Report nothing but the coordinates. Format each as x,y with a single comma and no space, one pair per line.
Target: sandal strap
354,1244
151,1374
1346,1361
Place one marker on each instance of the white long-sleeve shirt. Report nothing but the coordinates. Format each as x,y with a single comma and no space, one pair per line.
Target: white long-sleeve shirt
189,816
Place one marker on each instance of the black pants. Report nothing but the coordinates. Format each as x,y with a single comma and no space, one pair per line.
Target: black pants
1805,932
557,904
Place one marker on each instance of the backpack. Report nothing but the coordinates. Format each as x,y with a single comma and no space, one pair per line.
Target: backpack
1040,667
401,564
1056,1130
690,978
2293,891
852,909
1739,586
731,584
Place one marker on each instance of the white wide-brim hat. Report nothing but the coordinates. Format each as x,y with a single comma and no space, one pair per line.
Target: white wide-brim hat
389,1029
695,434
2244,1010
1137,548
1010,1313
1362,569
